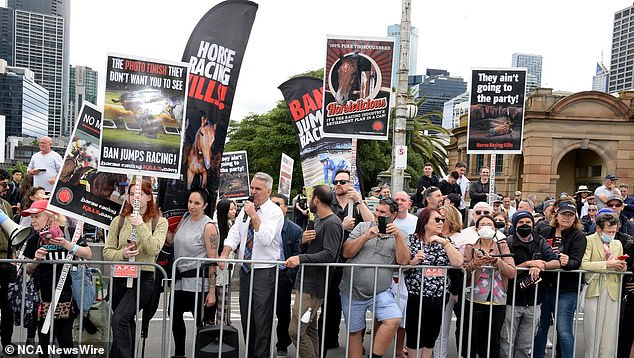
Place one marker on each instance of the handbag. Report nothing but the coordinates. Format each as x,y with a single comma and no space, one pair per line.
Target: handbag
31,300
582,299
87,297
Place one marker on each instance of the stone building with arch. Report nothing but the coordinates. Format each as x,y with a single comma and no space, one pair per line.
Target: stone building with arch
569,140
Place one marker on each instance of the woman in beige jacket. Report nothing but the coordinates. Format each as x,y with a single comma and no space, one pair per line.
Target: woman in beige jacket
602,297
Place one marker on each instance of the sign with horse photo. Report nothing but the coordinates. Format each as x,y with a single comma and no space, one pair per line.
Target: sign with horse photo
81,192
496,113
143,117
357,87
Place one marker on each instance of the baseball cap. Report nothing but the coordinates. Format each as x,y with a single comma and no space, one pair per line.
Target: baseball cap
567,207
614,197
611,177
37,207
605,211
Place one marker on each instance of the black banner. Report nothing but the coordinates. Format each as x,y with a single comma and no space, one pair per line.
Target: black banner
320,157
214,52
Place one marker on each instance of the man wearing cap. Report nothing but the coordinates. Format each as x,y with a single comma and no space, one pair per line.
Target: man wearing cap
602,193
533,252
615,203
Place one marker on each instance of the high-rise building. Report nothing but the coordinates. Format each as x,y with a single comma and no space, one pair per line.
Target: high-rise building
83,85
454,109
437,88
534,65
40,43
23,102
395,32
600,79
621,64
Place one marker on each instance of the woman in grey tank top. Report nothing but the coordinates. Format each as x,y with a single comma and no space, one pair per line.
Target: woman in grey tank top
196,236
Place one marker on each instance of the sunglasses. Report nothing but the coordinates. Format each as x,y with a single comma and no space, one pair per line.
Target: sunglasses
439,220
592,209
618,205
480,212
4,184
277,203
518,195
341,182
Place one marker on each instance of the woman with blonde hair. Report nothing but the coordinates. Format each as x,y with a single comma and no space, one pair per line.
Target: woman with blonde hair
452,229
150,228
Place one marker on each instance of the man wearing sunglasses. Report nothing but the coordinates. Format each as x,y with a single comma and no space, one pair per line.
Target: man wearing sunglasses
378,242
344,195
615,202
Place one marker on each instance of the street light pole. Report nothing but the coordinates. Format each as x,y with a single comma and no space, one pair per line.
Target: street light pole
401,101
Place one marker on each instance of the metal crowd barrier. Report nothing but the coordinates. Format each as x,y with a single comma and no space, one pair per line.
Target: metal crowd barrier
21,349
445,323
166,324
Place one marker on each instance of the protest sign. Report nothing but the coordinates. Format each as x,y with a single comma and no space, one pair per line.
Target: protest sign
320,157
286,175
214,51
357,84
143,117
496,115
81,192
234,176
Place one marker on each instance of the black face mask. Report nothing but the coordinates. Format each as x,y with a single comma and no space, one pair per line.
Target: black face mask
500,224
524,230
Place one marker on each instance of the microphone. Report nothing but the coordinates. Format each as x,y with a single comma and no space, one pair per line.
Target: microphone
245,216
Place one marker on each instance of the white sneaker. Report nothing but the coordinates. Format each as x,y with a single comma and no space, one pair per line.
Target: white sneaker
549,344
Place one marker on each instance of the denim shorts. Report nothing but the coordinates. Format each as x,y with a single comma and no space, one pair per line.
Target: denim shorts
386,308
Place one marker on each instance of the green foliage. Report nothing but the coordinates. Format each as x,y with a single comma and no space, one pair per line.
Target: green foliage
265,137
19,166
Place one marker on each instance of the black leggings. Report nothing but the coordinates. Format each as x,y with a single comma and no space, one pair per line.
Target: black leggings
63,332
124,307
430,318
184,302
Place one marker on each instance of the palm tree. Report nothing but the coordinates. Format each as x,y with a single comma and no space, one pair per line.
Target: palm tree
426,143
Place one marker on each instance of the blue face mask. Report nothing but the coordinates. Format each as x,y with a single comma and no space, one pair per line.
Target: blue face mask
606,238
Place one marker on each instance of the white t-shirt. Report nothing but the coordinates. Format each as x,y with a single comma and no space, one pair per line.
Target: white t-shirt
408,225
52,162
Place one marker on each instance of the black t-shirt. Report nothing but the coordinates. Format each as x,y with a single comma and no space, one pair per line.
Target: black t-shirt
44,272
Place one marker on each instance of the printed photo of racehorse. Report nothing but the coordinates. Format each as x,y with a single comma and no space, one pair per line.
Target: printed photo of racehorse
353,77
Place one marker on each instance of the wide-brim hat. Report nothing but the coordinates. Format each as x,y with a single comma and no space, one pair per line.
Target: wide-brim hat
583,189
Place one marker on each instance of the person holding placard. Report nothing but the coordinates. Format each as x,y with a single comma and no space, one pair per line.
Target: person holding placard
151,230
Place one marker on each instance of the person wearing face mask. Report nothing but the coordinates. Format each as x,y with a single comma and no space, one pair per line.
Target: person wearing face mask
533,252
487,282
564,235
602,297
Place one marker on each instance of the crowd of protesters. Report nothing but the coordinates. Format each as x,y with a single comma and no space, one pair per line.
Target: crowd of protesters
501,269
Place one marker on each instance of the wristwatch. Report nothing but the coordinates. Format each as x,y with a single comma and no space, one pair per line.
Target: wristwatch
358,202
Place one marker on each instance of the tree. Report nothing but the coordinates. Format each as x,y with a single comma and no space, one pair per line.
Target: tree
423,147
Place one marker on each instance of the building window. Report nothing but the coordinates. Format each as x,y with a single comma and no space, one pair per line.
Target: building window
498,164
479,163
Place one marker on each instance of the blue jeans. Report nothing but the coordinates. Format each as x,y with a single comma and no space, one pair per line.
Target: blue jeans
565,315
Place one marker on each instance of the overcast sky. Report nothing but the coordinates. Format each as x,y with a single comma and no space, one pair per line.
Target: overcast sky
289,36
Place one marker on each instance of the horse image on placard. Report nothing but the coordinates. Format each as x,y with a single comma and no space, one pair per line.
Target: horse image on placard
356,78
199,160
